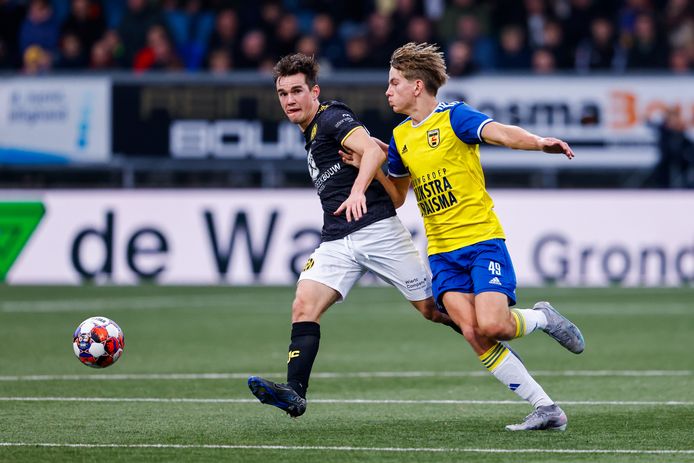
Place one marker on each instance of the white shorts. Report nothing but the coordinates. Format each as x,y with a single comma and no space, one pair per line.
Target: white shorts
385,248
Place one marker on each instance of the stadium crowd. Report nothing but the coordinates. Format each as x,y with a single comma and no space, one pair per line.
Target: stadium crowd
541,36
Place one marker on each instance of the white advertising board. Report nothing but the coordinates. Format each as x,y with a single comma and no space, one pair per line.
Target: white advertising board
55,120
570,238
590,109
610,121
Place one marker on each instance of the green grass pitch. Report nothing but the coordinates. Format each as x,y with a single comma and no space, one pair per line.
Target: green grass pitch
388,386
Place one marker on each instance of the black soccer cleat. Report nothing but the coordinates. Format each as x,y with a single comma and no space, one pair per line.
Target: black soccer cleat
281,396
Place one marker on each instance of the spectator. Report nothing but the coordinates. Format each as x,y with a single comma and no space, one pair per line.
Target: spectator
679,61
536,18
72,53
36,60
253,50
576,22
478,11
191,28
513,52
113,12
559,27
433,9
599,52
159,53
628,15
401,15
41,28
270,17
357,53
133,29
459,59
675,167
553,42
380,37
648,49
220,61
324,31
86,21
226,34
679,24
101,58
543,61
308,45
286,36
419,30
483,47
115,47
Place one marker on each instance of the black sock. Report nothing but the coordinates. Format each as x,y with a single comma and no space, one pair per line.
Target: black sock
302,353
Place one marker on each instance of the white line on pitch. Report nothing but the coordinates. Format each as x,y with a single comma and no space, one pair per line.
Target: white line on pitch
341,375
341,401
216,301
118,303
353,449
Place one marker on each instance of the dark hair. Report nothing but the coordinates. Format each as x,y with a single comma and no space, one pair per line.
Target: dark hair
297,63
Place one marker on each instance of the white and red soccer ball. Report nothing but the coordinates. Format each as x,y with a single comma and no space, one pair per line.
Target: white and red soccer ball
98,342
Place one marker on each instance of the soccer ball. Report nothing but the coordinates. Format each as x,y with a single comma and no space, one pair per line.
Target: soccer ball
98,342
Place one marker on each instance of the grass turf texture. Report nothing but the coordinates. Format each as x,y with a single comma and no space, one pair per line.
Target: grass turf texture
234,331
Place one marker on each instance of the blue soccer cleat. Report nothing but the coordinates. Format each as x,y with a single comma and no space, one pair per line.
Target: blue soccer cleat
279,395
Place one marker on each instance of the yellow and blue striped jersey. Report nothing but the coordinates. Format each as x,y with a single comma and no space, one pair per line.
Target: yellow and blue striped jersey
441,154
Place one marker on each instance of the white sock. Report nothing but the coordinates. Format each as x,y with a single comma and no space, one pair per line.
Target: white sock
528,320
507,368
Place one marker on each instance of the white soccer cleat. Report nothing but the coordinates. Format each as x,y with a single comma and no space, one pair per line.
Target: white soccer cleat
561,328
548,417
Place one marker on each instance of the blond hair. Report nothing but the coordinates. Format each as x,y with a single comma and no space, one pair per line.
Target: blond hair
421,61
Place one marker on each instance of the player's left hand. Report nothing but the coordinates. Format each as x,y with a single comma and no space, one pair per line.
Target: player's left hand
354,207
556,146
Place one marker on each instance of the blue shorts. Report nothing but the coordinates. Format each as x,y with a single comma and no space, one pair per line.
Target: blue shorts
478,268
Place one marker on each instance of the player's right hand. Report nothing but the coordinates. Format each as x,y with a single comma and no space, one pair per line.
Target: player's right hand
556,146
354,206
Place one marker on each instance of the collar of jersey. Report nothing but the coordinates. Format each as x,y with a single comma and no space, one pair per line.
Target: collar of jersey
315,118
438,106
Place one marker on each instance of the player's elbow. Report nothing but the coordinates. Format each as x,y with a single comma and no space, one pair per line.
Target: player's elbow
379,156
375,153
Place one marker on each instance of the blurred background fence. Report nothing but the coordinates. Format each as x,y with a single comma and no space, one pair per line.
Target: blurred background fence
202,131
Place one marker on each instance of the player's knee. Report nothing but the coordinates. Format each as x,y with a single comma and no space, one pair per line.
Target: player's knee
495,330
303,309
428,309
470,333
427,313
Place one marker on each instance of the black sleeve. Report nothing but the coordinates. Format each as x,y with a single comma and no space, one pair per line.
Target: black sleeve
338,122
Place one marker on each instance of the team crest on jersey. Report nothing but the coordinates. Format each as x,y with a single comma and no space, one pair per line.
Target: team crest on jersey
434,138
314,130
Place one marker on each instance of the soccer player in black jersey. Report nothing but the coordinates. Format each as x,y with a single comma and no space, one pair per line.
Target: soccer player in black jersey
361,231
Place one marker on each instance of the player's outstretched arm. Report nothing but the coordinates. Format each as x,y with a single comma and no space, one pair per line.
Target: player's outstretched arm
395,187
517,138
372,157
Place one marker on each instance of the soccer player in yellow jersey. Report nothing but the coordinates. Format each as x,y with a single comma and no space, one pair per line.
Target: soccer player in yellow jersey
436,149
